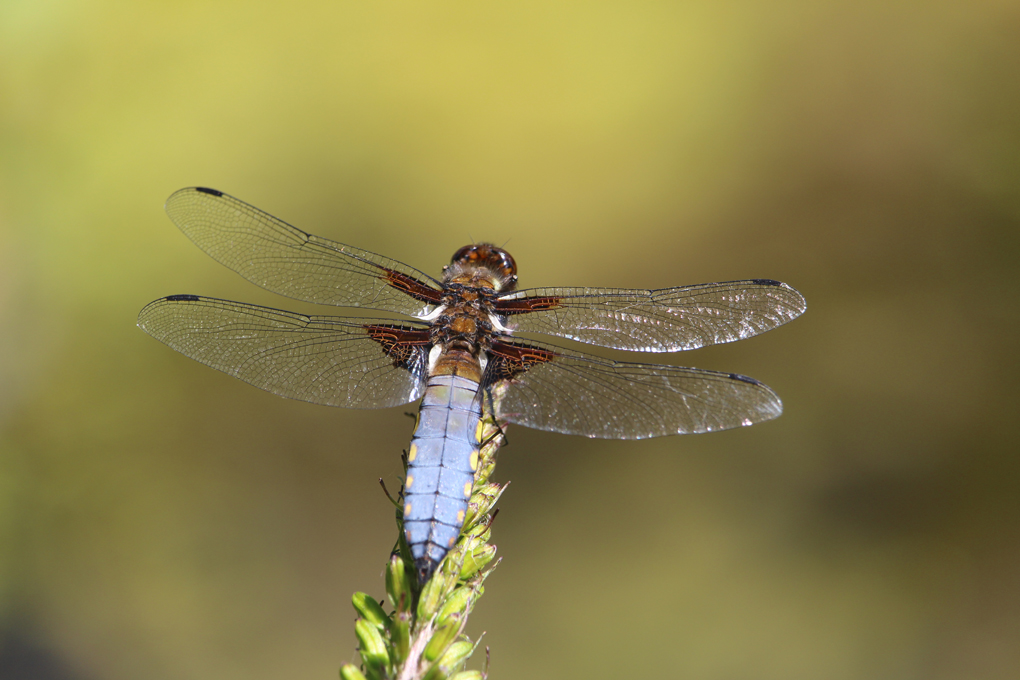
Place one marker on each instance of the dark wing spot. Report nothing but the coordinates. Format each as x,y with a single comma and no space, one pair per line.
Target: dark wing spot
507,360
182,298
399,343
744,378
411,286
528,304
766,282
206,190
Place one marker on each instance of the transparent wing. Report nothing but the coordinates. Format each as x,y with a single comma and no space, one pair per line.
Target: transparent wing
551,388
357,363
281,258
666,320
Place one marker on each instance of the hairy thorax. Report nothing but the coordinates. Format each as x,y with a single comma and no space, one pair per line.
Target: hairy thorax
463,328
465,323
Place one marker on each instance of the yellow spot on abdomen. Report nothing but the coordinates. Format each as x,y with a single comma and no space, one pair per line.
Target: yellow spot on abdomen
412,453
474,460
467,489
460,515
407,509
452,541
407,484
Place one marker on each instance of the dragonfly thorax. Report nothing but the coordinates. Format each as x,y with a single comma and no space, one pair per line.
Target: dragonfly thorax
465,320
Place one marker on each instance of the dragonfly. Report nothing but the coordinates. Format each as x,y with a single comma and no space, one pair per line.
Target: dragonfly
458,346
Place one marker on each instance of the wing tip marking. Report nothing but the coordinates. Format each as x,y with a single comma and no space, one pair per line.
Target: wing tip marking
207,190
182,298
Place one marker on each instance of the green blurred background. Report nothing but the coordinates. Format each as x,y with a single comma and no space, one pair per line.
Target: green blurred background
161,520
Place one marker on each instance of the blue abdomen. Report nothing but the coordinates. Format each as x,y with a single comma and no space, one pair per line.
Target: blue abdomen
441,466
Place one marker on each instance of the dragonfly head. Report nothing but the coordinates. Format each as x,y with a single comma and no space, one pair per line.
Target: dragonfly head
483,264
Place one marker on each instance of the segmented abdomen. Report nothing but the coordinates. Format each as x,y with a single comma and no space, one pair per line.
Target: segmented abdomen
441,465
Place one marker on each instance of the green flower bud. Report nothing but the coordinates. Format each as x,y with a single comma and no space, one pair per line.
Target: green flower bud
452,660
479,504
441,640
369,609
479,532
351,672
457,603
468,675
433,593
437,672
428,600
486,467
400,634
373,647
490,490
482,500
398,584
456,654
476,559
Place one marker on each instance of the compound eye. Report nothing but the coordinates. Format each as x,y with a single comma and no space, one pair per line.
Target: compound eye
506,263
465,254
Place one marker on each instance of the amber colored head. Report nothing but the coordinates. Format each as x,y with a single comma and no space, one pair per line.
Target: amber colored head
488,256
